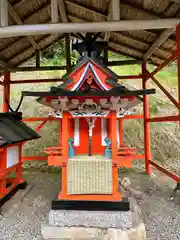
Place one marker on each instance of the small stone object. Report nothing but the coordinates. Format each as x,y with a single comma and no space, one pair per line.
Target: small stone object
126,183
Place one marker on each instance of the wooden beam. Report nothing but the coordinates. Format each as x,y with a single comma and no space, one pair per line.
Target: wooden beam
36,81
58,28
126,37
125,62
4,12
16,18
32,69
62,10
160,40
54,11
115,10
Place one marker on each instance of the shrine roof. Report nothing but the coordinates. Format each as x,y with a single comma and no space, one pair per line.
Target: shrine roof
13,130
111,79
98,63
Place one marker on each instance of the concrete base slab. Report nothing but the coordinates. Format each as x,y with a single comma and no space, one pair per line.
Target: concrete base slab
84,225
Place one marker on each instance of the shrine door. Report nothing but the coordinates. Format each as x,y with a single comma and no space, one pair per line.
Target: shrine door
83,137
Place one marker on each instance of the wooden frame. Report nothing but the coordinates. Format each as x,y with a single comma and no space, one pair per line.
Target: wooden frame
147,119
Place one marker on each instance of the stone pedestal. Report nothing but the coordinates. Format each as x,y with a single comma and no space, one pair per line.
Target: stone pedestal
96,225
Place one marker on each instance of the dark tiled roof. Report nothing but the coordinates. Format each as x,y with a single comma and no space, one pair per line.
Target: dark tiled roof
13,130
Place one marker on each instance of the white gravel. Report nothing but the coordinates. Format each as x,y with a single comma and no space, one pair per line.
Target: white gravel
22,219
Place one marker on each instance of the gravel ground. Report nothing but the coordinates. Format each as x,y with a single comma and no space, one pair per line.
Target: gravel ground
22,219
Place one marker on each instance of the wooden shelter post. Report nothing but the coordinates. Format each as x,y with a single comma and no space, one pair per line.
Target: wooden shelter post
6,95
178,61
68,54
38,59
146,122
106,55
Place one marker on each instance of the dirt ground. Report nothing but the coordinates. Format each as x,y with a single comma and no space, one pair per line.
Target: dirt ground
23,214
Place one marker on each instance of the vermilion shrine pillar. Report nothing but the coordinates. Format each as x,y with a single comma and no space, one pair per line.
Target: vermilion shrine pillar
120,132
64,153
113,128
147,148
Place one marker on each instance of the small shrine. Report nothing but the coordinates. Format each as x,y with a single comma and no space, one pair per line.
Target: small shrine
89,104
13,134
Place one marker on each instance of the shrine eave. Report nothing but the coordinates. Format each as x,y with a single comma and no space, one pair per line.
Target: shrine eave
116,92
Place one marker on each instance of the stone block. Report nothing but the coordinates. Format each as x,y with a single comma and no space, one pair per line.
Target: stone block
95,225
71,233
95,219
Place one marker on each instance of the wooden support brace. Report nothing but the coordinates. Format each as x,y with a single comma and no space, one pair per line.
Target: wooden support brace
164,64
168,95
160,40
168,173
178,62
165,119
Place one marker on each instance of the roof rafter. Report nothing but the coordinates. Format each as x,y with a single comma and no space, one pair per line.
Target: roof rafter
16,18
54,11
42,40
109,17
103,16
160,40
115,6
123,35
145,14
4,13
62,10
